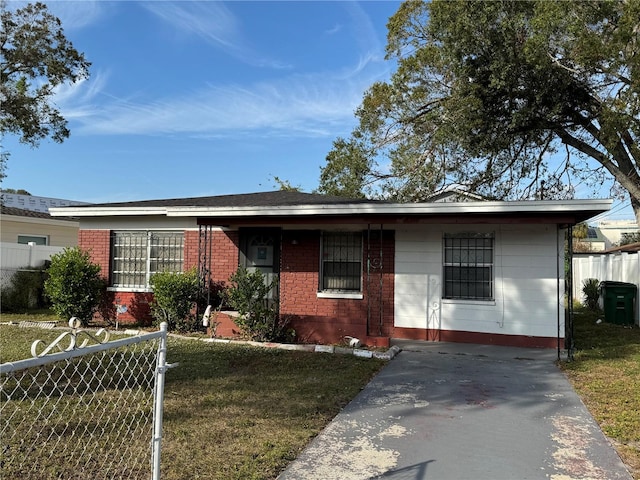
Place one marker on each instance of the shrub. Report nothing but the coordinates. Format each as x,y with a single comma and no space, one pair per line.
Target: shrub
174,298
591,292
74,286
249,296
25,291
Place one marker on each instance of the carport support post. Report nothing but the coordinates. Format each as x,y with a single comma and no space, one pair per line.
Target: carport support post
569,330
205,241
559,294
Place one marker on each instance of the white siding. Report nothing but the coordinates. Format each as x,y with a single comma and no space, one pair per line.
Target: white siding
138,223
59,233
526,289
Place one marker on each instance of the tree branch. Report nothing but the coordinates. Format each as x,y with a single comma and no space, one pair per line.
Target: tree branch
580,145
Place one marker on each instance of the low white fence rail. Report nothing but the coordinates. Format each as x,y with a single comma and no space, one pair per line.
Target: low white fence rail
85,412
17,255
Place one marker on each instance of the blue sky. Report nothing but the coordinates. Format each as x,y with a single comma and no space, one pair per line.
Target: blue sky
197,98
204,98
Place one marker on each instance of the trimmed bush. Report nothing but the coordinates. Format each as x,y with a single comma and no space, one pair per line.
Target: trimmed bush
74,286
174,299
249,296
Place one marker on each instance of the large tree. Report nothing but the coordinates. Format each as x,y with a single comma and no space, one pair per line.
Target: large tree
36,57
511,99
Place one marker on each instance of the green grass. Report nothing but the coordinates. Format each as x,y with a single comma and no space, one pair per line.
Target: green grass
234,412
244,413
237,412
606,374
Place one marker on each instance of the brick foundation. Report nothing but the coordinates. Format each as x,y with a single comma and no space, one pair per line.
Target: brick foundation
456,336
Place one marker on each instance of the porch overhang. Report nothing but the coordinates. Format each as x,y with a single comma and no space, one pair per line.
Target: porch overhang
560,212
538,212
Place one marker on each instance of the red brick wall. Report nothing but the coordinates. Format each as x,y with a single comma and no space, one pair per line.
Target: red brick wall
97,243
315,320
328,320
224,261
191,249
137,307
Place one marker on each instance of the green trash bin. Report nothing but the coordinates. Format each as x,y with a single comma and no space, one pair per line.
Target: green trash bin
619,301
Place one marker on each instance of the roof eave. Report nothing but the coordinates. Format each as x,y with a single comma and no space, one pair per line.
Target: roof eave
582,209
106,211
589,207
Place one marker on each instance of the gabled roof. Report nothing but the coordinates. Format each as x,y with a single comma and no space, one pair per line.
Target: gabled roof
455,193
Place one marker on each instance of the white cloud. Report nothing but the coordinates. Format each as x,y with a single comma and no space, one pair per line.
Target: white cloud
209,20
313,104
216,24
75,14
79,100
308,105
364,31
333,30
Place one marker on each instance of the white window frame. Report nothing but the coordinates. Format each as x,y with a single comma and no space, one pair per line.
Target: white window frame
468,258
344,256
147,258
27,236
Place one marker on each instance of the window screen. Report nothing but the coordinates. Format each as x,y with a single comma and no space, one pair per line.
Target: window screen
341,261
135,256
468,266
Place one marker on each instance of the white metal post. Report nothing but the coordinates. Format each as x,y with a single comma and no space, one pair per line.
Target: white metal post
161,368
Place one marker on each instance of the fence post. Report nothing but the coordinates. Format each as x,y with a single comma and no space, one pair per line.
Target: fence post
161,368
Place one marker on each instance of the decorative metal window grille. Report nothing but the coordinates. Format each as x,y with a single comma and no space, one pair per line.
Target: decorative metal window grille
341,263
135,256
468,266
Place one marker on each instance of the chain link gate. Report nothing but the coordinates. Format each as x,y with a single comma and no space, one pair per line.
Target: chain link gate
88,411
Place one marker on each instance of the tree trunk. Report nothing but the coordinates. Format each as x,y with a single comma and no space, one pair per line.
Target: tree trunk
635,204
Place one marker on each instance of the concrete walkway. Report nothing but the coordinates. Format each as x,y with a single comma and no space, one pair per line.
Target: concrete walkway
459,411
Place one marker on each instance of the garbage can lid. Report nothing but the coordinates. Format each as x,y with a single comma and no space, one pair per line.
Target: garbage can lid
611,283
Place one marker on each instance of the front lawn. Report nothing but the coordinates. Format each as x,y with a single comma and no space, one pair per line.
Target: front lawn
236,412
606,374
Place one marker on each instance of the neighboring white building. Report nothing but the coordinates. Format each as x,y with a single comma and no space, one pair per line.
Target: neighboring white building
29,238
612,230
21,226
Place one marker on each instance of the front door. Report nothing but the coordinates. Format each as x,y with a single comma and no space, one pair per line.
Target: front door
260,251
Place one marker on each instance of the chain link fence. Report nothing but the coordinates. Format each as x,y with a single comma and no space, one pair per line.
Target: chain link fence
87,412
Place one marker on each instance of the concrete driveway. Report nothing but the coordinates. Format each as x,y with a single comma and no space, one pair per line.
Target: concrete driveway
459,411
